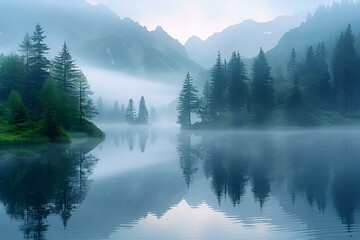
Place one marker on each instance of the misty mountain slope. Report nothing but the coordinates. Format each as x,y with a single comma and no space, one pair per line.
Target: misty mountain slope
246,37
325,25
95,35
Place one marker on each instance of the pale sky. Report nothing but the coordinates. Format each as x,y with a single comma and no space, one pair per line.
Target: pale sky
185,18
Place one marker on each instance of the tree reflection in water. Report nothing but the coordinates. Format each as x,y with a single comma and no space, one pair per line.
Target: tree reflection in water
42,181
320,169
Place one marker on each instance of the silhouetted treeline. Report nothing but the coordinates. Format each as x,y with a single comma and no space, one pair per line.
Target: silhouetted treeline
313,93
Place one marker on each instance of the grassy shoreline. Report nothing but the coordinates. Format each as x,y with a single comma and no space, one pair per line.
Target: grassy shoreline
31,133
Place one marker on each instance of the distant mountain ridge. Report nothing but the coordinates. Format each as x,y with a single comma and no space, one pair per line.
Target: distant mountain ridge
325,25
94,34
246,37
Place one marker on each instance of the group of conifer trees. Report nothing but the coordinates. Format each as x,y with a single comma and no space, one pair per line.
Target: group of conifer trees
121,114
142,116
233,98
54,93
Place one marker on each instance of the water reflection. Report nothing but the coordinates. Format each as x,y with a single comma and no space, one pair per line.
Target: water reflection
44,180
322,167
158,183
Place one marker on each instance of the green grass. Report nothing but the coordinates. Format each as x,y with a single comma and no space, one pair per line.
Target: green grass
31,133
24,133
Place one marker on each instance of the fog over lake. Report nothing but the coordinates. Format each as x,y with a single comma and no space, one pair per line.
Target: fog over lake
161,183
114,85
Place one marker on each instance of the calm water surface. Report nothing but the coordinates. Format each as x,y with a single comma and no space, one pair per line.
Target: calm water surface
159,183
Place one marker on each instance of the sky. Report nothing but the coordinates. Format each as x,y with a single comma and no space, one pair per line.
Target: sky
185,18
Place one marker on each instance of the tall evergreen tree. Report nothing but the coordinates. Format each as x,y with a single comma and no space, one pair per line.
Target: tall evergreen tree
346,73
39,64
87,109
205,103
130,112
218,86
26,50
143,114
64,70
188,102
323,86
17,111
262,87
292,66
238,92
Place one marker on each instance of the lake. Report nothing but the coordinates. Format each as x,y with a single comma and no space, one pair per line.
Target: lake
163,183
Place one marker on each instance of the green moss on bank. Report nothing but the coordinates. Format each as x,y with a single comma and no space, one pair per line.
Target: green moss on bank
32,133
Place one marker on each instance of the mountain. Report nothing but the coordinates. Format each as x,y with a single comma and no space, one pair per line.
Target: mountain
325,25
246,37
95,35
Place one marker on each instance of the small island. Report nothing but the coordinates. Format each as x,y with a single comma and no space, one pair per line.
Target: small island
43,101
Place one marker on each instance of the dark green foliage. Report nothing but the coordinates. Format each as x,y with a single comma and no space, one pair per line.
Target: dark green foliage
39,64
25,50
51,126
188,102
292,66
218,86
315,77
86,107
16,109
205,104
64,70
12,73
53,98
262,89
294,106
143,114
130,112
51,106
238,91
346,73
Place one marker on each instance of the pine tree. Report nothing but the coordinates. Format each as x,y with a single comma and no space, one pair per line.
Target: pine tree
323,83
205,103
218,86
346,73
292,66
262,87
38,62
310,61
238,92
87,110
17,111
64,70
26,50
130,112
188,102
143,114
